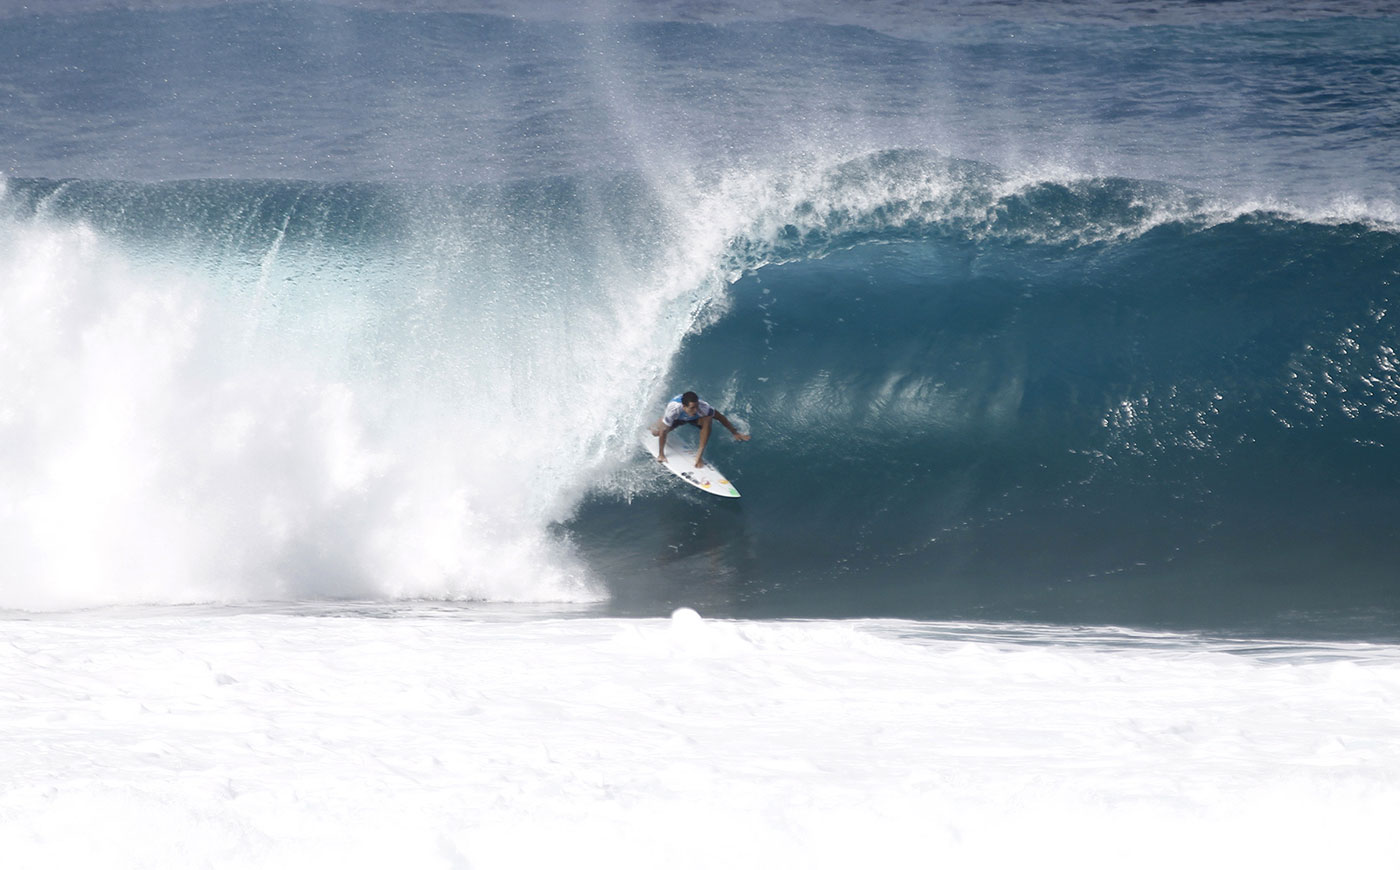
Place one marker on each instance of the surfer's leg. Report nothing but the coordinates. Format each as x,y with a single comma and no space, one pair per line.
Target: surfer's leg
704,424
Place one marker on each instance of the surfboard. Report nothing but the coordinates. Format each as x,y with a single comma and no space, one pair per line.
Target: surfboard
680,461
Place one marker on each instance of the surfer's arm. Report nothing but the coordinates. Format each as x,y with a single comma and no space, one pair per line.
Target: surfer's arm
738,436
661,442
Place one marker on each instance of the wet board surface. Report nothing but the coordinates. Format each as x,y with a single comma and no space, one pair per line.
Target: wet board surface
680,461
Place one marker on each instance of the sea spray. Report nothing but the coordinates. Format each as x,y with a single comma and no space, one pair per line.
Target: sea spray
282,405
150,456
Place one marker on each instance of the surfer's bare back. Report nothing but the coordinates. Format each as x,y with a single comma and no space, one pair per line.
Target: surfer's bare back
688,409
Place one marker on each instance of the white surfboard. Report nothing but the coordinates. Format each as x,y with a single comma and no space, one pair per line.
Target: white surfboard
680,461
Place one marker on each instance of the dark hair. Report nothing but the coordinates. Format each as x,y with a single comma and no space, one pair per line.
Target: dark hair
688,397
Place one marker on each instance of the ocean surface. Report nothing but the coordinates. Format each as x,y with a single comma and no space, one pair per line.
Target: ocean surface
1065,335
1061,313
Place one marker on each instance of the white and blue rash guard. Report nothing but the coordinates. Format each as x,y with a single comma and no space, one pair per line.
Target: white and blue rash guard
676,416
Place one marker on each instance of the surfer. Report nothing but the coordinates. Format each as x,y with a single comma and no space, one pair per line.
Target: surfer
688,408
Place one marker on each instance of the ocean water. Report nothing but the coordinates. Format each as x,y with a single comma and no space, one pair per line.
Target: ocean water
1064,313
1064,332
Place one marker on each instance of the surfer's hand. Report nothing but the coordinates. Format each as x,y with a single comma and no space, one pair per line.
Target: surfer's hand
661,457
740,436
699,462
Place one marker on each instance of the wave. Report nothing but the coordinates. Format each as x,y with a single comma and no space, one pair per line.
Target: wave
1083,401
966,385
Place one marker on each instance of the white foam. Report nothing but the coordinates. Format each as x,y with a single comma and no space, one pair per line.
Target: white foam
440,739
153,452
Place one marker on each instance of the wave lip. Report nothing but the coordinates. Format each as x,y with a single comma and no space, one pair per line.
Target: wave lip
815,207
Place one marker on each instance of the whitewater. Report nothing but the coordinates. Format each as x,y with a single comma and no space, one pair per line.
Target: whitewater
1065,334
437,737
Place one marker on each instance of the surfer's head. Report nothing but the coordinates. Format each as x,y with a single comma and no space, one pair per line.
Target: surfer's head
689,398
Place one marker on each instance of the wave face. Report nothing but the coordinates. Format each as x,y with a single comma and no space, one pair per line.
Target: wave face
1195,423
1074,312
